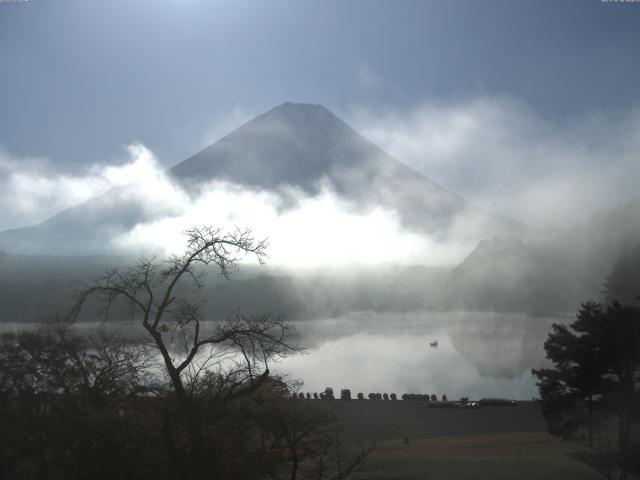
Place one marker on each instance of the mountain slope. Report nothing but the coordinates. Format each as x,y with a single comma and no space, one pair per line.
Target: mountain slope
302,144
299,145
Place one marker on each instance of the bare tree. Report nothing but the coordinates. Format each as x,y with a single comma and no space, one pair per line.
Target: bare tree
63,398
229,361
89,369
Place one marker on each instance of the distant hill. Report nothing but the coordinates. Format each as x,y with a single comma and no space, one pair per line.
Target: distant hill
556,274
296,145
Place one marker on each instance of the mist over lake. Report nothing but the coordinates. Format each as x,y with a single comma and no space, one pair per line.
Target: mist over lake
478,354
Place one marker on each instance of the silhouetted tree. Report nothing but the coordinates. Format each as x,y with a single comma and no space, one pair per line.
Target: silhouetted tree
66,400
188,400
623,281
570,391
595,375
194,361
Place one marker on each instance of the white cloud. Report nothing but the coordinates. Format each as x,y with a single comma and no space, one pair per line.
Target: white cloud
304,231
494,151
319,230
31,190
504,157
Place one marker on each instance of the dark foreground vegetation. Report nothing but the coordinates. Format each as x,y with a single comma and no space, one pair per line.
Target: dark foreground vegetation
92,407
178,402
593,388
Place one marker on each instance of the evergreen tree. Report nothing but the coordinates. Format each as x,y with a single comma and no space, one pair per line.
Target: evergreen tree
571,390
595,377
623,282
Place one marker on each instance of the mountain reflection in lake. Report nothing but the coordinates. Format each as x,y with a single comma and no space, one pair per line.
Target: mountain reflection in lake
478,354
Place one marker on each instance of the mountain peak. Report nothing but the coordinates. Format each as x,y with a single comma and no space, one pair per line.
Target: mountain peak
306,145
294,144
300,106
302,115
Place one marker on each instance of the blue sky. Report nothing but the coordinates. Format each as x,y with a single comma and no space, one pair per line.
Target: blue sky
82,79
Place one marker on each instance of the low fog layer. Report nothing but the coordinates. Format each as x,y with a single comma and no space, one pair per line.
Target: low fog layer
324,194
304,230
477,354
546,277
325,209
34,189
500,154
349,227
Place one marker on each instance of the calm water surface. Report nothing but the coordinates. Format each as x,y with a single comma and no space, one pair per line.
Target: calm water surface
479,354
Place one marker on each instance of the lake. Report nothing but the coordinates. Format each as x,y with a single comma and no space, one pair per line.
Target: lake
478,354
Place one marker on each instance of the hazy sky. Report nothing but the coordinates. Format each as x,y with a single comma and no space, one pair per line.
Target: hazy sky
81,80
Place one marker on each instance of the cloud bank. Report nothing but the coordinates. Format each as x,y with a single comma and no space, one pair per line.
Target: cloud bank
31,190
502,156
495,152
303,230
319,230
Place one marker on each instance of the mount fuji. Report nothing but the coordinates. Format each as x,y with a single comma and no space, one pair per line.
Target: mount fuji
293,145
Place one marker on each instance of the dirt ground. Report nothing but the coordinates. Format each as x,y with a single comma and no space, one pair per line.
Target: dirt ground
414,441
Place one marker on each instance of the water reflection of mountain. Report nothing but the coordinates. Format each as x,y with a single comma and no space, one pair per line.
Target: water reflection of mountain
496,344
502,345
